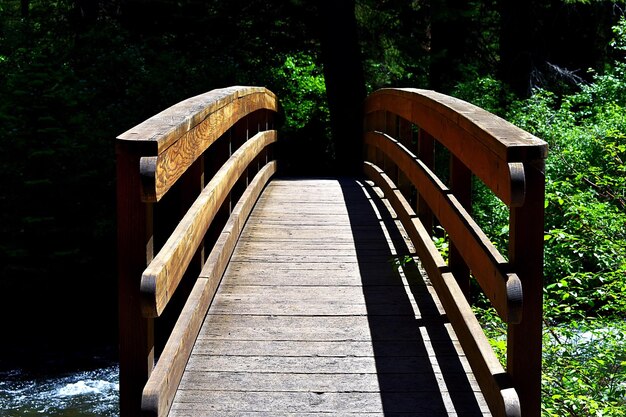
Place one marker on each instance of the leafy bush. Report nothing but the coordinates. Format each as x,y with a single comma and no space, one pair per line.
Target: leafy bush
585,369
301,87
584,364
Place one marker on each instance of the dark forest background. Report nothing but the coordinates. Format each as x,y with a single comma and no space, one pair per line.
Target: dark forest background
74,74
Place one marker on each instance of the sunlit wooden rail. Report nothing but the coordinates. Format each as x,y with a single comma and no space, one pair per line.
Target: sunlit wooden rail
189,179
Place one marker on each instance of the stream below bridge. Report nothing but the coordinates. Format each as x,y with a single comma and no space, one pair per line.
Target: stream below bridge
83,393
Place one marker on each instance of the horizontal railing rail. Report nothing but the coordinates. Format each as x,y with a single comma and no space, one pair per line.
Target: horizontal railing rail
188,178
510,162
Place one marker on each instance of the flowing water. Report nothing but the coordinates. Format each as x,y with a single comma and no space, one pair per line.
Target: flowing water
78,394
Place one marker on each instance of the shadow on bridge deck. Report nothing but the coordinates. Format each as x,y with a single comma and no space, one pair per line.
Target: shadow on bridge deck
312,318
419,363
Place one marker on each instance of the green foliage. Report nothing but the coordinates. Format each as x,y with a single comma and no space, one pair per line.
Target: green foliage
302,90
485,92
394,41
398,262
584,369
585,247
585,241
70,83
584,364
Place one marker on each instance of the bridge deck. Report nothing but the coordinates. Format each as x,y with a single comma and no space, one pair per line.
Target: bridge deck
311,318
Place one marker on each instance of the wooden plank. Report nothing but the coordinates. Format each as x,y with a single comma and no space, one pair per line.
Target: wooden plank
265,402
488,266
312,365
299,382
281,332
303,275
163,274
337,349
163,382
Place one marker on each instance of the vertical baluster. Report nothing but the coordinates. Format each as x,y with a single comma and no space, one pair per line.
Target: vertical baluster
241,132
391,129
426,153
405,137
134,251
216,156
526,256
461,186
377,123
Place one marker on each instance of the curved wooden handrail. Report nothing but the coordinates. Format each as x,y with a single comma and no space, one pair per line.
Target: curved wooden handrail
173,139
163,274
484,142
227,134
489,267
510,162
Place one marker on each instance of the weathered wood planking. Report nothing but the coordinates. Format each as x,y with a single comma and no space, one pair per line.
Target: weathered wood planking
315,320
161,386
173,139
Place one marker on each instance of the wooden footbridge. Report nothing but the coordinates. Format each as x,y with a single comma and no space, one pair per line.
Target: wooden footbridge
244,292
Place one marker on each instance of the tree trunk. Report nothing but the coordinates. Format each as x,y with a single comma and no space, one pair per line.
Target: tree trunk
451,40
24,8
345,85
517,49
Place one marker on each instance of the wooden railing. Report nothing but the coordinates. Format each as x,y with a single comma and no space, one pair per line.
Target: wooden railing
188,177
402,129
177,229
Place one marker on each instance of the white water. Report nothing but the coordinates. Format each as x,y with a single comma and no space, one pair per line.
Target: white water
80,394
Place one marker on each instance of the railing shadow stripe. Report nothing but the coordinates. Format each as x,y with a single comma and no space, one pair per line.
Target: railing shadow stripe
423,341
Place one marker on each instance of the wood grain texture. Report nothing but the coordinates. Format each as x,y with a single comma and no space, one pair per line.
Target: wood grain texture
485,143
495,382
160,389
135,248
297,328
163,274
166,127
459,125
172,140
491,270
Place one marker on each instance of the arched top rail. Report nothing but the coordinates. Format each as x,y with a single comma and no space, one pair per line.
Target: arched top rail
170,141
449,118
492,148
429,186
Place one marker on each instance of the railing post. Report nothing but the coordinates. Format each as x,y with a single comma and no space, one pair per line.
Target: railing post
135,250
526,256
216,156
376,121
461,186
405,137
240,133
426,153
